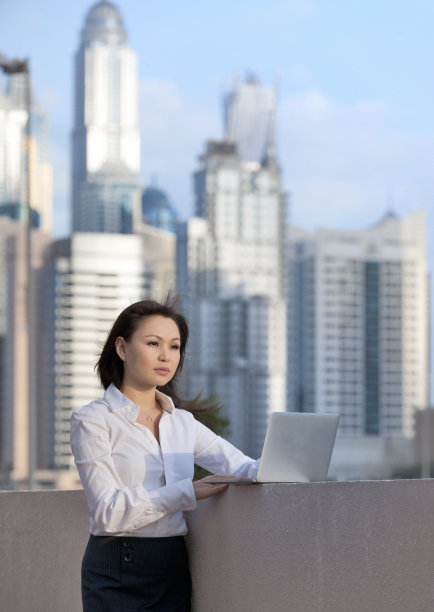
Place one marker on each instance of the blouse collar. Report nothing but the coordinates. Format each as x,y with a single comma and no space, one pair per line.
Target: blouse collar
116,400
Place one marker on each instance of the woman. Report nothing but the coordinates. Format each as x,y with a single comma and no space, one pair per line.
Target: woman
135,451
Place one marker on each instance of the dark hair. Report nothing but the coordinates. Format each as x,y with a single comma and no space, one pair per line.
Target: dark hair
110,367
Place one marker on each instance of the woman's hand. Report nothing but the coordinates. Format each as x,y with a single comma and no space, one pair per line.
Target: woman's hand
203,488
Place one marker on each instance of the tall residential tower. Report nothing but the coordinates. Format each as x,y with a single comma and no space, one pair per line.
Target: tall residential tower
358,338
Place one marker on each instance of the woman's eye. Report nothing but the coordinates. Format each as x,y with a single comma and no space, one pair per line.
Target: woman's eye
153,343
175,347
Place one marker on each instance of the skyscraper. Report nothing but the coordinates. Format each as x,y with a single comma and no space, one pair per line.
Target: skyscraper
16,346
249,119
21,333
358,337
13,164
231,266
106,139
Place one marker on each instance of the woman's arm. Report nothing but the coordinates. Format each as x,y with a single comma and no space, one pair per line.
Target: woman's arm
113,506
220,456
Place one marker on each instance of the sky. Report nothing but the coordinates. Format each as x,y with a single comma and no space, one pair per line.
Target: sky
355,124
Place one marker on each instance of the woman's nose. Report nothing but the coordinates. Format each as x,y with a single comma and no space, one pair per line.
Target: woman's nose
163,354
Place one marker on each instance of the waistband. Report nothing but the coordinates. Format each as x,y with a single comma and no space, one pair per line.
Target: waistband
159,552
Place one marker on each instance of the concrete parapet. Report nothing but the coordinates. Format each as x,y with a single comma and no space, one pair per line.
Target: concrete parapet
320,547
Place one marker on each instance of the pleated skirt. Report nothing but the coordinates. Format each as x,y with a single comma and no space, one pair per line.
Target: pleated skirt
133,574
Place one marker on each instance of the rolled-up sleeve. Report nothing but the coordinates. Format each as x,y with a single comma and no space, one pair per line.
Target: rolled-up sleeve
113,506
219,456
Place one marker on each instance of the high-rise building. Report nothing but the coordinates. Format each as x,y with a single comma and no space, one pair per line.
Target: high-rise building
24,164
106,139
230,267
250,117
92,278
20,342
358,338
14,164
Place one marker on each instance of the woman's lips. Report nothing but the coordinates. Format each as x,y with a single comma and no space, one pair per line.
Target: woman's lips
162,371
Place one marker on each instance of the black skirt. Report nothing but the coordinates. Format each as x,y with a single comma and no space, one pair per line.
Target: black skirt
134,574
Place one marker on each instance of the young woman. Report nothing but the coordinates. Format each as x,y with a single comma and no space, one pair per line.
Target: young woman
135,451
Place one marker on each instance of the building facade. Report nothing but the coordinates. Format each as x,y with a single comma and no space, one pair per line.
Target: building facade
230,268
21,340
359,335
92,278
25,179
106,139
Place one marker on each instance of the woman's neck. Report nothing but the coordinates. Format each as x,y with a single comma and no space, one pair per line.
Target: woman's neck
141,397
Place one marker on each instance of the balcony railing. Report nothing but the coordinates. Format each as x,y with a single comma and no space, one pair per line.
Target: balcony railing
320,547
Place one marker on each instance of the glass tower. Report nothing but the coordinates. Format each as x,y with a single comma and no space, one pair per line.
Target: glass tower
249,117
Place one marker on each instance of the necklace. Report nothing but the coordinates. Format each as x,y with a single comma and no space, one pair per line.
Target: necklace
148,418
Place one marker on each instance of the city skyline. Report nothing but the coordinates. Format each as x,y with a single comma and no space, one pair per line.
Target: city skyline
355,136
235,257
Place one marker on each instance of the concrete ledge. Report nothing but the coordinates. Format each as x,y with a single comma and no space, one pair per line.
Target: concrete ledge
43,536
321,547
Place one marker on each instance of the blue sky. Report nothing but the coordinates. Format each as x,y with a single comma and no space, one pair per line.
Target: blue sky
356,94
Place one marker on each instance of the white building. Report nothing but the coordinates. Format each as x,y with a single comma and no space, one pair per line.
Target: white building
94,276
13,163
358,338
106,139
231,272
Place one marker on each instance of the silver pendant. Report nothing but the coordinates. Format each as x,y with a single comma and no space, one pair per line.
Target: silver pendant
149,419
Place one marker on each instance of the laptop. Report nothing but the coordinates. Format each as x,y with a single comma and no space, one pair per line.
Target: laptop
297,448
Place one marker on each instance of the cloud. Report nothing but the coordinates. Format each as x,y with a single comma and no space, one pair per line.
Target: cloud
174,128
345,164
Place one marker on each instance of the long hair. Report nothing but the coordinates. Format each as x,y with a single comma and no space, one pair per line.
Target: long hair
110,367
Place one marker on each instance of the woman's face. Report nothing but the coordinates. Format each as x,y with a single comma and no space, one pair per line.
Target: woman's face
152,354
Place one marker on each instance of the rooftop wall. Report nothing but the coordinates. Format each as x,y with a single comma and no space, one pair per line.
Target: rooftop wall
320,547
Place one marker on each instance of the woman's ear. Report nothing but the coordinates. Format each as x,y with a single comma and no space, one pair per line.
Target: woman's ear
120,348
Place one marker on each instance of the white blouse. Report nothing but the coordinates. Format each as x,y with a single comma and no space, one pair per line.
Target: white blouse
135,486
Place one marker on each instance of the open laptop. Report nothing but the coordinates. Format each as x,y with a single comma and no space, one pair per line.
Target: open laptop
297,448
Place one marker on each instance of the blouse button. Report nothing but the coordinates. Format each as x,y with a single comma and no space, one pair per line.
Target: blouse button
127,557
